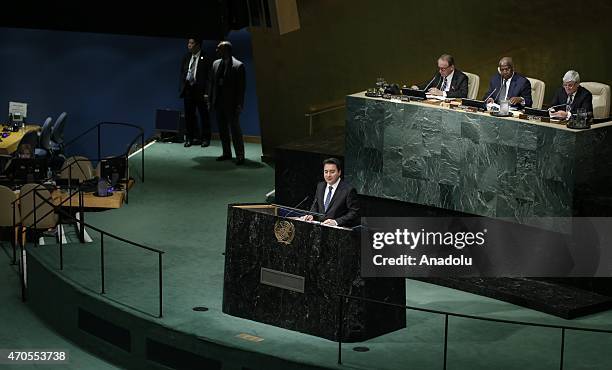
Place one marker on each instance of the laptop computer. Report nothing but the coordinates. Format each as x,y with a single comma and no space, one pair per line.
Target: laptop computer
537,112
478,104
418,94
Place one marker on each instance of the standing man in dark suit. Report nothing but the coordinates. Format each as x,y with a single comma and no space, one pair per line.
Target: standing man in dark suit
227,97
448,81
195,69
508,85
335,198
571,95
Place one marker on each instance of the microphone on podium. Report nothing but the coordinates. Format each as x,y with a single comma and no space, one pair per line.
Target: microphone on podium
294,209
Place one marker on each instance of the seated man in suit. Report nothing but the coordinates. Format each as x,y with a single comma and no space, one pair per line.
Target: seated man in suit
335,198
448,81
571,95
509,85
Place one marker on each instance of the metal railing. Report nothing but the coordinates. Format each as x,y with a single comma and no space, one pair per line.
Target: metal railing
56,208
99,126
340,329
314,112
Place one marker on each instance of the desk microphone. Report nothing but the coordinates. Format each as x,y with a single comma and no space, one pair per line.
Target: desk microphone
492,92
299,204
432,80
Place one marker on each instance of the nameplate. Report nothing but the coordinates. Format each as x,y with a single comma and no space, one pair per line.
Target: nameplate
282,280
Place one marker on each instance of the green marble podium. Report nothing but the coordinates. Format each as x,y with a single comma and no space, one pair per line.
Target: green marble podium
473,162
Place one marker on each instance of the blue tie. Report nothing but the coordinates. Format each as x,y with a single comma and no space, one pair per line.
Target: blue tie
328,198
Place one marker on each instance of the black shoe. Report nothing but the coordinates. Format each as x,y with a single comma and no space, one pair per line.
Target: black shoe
187,144
224,158
239,161
205,144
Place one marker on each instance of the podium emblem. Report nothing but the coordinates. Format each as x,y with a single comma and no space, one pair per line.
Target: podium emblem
284,232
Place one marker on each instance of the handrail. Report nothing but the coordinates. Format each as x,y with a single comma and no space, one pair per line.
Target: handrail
83,224
318,111
132,142
446,314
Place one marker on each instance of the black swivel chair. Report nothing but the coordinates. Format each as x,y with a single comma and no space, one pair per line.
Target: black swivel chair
57,133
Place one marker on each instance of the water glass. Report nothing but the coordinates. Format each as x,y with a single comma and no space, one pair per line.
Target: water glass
504,107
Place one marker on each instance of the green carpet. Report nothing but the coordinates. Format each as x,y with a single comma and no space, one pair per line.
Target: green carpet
182,209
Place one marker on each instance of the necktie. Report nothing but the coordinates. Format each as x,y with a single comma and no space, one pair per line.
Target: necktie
190,72
570,99
505,90
444,84
328,198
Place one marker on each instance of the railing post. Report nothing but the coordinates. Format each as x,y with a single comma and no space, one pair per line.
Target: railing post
562,348
142,143
160,285
127,181
102,261
61,246
35,219
13,241
340,328
22,268
99,156
445,339
81,219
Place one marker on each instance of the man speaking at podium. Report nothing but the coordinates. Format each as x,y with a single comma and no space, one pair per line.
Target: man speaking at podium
335,198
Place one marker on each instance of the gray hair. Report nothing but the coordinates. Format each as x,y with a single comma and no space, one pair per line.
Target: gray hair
571,76
448,59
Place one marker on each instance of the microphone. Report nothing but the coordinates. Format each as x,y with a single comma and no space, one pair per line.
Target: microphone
501,82
430,82
293,209
492,92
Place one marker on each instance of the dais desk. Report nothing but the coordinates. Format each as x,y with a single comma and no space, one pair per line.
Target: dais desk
9,144
474,162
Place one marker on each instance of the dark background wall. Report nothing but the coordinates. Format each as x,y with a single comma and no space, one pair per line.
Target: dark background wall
343,46
104,77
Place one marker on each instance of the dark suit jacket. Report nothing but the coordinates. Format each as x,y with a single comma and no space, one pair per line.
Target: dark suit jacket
458,85
583,99
202,74
231,94
519,86
343,206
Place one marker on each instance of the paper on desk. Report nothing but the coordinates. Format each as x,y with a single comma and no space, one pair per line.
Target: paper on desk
436,97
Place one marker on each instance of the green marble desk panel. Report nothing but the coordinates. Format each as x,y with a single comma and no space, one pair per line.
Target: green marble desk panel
473,162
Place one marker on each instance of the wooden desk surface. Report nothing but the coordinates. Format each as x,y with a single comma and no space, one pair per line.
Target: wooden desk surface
92,201
9,144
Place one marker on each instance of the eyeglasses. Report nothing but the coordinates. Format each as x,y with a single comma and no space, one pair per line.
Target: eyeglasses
569,84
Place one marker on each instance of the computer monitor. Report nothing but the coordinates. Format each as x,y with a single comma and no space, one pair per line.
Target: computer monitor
29,170
114,169
167,120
